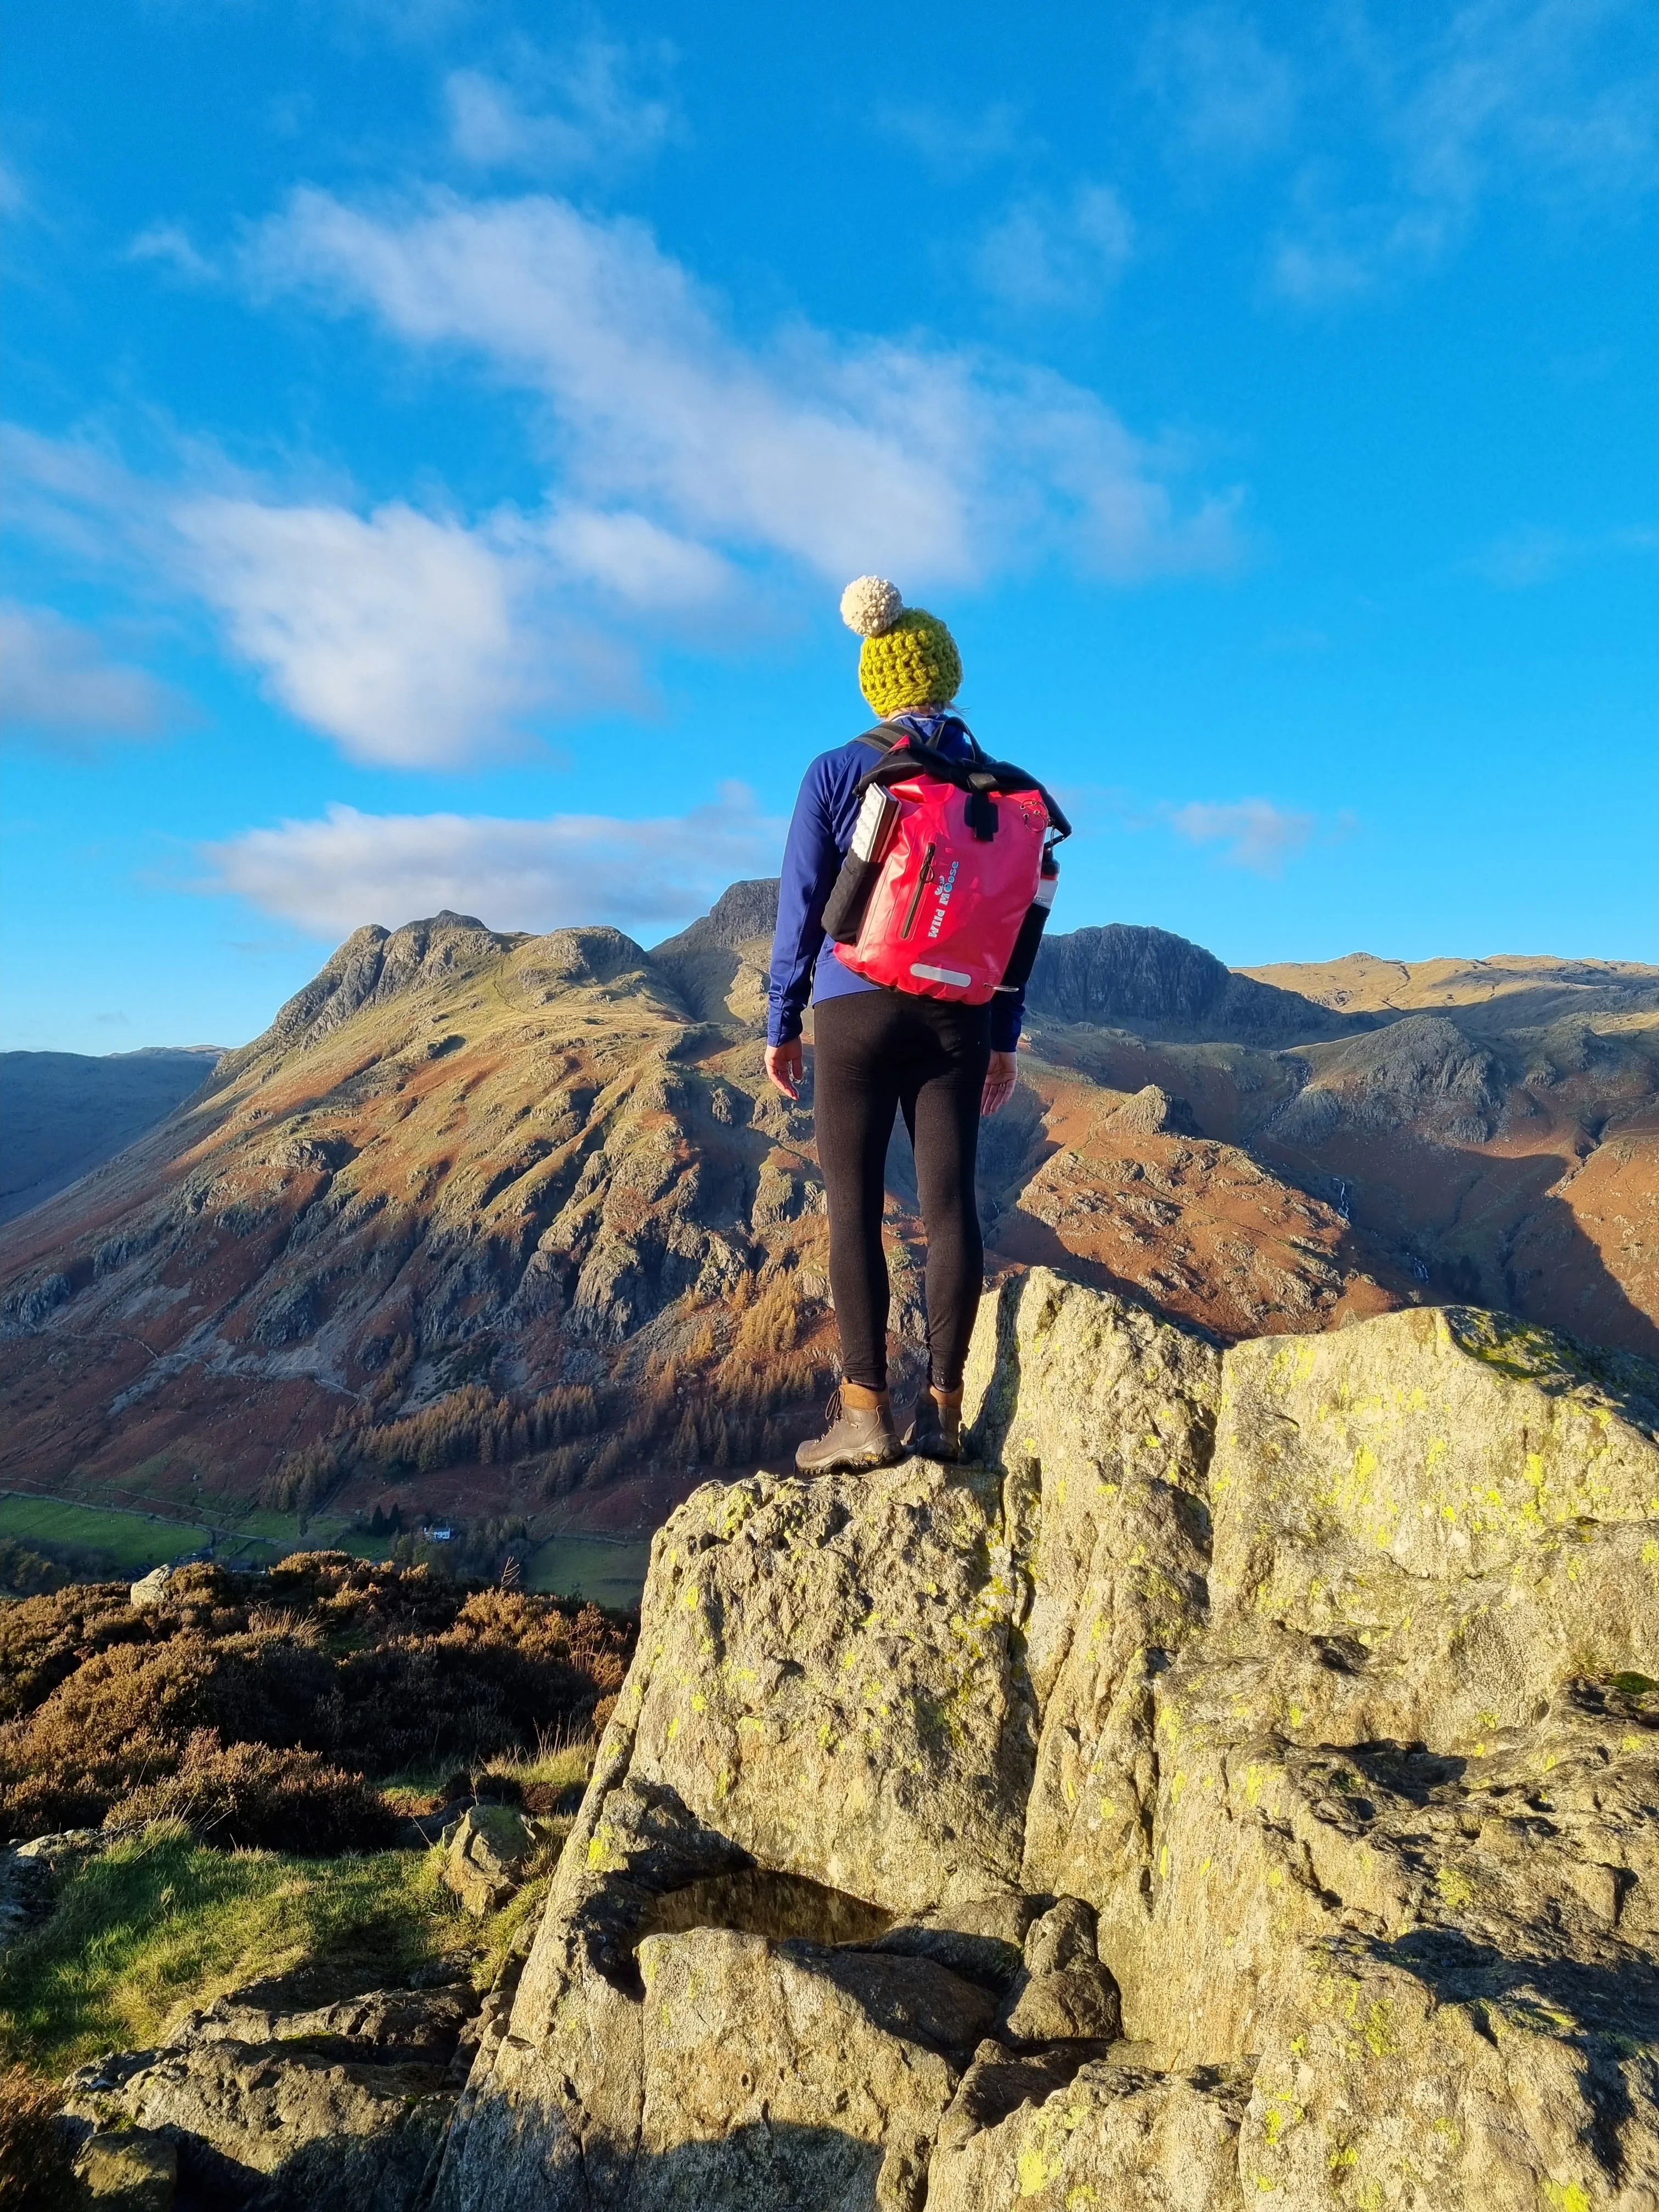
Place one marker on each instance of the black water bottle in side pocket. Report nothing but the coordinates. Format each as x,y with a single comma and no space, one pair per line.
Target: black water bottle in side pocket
1023,958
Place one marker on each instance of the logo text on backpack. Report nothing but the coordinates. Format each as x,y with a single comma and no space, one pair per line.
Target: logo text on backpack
945,890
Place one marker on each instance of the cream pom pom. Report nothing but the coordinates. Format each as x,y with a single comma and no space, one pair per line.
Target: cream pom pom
870,605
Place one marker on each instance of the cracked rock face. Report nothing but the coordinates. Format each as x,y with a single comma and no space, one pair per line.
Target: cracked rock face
1241,1787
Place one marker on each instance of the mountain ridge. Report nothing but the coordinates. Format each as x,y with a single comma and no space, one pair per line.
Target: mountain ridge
548,1171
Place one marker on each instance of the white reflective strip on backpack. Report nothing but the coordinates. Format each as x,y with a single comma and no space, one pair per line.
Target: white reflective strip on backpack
939,975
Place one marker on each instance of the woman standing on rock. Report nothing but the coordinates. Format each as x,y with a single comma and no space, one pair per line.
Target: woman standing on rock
916,877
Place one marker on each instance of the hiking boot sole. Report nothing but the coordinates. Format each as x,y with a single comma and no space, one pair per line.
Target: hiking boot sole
852,1462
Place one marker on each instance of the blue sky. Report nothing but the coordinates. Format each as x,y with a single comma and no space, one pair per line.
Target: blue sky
436,436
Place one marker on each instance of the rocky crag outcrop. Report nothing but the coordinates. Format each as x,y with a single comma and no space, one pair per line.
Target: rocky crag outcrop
1165,985
1241,1787
256,2105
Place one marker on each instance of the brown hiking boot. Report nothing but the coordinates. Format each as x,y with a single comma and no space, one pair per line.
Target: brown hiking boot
935,1432
860,1433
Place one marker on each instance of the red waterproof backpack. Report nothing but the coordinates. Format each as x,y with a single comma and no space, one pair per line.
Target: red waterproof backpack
950,875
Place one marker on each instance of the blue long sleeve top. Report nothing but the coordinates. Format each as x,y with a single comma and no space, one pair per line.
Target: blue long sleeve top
820,837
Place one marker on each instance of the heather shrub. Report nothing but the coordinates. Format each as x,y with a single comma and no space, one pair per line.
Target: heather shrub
47,1637
247,1796
35,2171
255,1707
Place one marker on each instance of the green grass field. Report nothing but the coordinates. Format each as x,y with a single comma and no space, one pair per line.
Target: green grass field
131,1542
115,1541
611,1573
118,1541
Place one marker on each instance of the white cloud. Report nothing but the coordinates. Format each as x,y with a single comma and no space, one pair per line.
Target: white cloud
58,684
330,876
413,641
636,561
395,634
1040,254
1253,832
548,111
1229,97
938,466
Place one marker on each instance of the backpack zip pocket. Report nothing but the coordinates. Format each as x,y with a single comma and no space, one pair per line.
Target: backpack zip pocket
922,881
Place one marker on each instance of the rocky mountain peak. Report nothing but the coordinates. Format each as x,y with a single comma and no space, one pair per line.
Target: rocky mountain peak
373,966
1129,974
742,913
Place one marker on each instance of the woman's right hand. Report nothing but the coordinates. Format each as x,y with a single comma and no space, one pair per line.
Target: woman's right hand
999,1079
785,1067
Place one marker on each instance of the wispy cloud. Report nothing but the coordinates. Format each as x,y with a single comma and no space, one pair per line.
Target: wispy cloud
1253,832
59,686
1044,254
940,465
331,876
953,144
1551,101
599,105
1229,97
170,245
1524,558
1546,91
1395,127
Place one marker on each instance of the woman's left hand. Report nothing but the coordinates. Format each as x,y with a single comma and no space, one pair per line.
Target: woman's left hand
999,1083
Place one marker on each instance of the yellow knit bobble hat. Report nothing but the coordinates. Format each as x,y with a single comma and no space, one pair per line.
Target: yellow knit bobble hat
908,658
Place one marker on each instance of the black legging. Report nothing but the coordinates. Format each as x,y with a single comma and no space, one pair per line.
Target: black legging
876,1051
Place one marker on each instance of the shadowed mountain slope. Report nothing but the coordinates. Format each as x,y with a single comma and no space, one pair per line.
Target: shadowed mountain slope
62,1113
